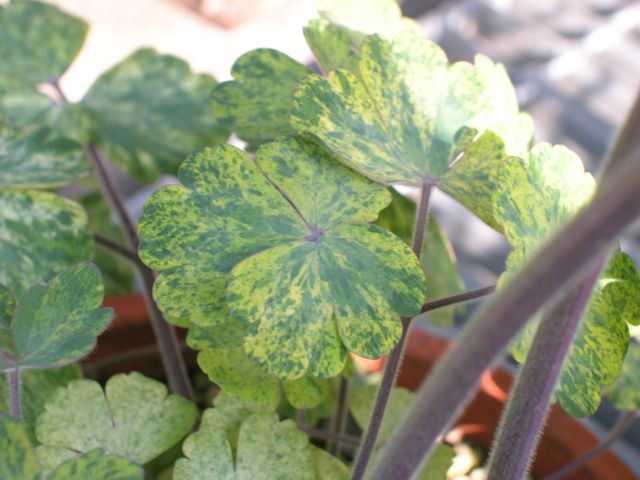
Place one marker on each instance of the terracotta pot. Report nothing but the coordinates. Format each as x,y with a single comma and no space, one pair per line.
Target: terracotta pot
564,439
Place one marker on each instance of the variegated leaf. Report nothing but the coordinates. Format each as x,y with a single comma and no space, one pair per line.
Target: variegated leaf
56,324
149,112
310,278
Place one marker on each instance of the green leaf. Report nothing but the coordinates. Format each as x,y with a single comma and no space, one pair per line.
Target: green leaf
379,16
285,230
37,386
35,158
40,235
256,104
326,466
56,324
18,460
624,393
37,43
306,392
407,116
361,404
133,418
266,449
117,271
535,196
149,112
95,464
438,257
331,45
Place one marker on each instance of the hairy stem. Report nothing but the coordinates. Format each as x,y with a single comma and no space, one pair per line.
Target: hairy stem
449,387
14,393
116,247
625,420
524,416
165,334
393,361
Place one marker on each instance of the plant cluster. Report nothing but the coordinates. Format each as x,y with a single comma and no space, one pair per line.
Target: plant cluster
287,260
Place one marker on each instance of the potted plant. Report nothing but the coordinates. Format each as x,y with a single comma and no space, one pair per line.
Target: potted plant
270,258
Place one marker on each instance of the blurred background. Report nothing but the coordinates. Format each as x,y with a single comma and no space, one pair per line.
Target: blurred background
575,65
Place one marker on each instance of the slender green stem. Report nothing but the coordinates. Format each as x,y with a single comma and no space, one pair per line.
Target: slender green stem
393,360
524,416
452,382
625,420
14,393
170,353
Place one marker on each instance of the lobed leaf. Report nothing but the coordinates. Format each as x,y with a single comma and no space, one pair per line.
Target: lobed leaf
41,234
18,460
132,418
624,393
256,104
37,43
149,112
56,324
309,277
535,196
95,464
331,46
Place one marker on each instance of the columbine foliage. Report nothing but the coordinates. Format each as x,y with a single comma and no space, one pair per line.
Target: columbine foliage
281,264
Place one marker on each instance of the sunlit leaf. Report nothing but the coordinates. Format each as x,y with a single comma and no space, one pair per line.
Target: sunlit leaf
535,196
149,112
331,45
285,231
407,116
95,464
37,43
41,234
55,324
256,104
133,418
37,386
18,460
326,466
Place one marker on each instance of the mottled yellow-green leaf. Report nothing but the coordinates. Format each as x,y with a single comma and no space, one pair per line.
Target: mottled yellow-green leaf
624,393
96,464
133,418
37,386
55,324
18,460
309,277
306,392
236,374
358,19
149,112
37,43
535,196
256,104
41,234
438,464
266,449
330,45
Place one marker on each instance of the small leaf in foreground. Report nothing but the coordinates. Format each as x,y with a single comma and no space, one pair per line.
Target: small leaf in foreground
266,449
149,112
624,393
133,418
56,324
41,234
257,103
341,283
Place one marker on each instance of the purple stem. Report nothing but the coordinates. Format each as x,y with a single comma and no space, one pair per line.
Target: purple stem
14,393
524,416
452,382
